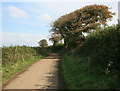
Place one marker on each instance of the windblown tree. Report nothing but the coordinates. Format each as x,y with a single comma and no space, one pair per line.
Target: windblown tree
71,26
55,38
43,43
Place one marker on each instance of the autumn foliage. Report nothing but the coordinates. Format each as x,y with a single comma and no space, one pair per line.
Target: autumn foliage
71,26
55,38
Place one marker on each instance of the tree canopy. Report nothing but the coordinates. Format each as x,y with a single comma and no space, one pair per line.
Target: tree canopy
71,26
55,38
43,43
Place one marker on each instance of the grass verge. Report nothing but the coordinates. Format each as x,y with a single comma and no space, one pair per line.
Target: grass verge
77,76
11,70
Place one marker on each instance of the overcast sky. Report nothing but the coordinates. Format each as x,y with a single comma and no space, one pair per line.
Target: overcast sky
25,23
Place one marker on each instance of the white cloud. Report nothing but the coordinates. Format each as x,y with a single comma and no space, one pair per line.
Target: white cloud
22,39
44,17
17,13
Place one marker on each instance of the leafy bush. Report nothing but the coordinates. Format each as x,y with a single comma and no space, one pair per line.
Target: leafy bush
57,48
11,54
103,48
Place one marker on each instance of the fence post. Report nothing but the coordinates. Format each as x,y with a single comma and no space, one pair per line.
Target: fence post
88,65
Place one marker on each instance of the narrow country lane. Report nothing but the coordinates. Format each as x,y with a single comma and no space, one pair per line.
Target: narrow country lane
43,74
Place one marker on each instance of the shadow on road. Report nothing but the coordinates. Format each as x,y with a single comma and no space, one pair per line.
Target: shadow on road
55,78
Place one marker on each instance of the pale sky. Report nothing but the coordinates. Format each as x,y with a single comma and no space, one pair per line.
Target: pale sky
25,23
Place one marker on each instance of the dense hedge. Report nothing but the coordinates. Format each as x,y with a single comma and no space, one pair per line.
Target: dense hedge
103,48
57,48
12,54
96,63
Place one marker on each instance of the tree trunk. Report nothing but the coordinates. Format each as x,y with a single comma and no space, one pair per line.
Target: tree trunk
65,43
55,42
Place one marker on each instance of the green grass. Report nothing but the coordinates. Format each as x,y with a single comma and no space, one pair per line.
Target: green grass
11,70
76,75
17,58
